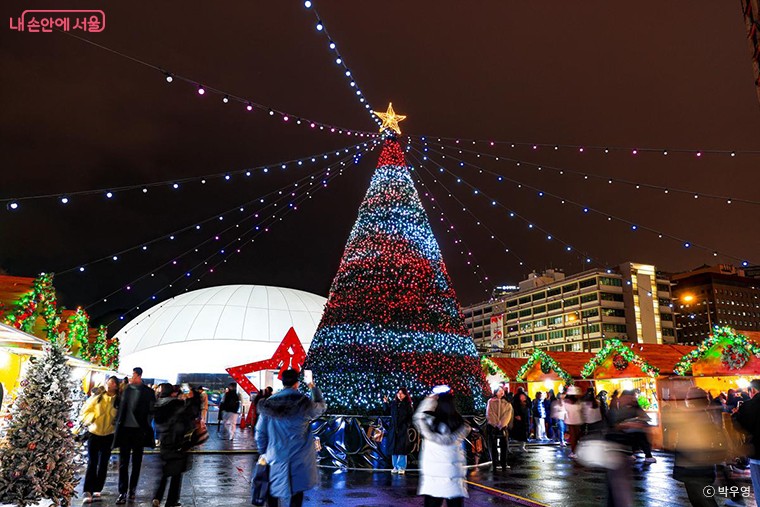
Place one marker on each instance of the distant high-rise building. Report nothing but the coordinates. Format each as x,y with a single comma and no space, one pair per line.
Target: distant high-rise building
552,311
715,296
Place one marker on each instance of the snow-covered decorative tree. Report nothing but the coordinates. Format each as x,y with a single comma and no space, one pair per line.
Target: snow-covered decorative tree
37,458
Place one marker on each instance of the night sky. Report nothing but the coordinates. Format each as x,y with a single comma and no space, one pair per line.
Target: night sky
645,74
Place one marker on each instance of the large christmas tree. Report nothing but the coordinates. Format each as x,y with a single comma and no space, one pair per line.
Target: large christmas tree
37,456
392,318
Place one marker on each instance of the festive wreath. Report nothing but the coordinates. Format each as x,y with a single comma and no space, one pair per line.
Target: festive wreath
546,368
619,362
734,357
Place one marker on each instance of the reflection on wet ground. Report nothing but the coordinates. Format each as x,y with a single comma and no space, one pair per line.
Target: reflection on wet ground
221,473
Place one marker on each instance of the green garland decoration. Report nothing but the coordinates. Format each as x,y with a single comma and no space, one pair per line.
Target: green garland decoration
491,368
616,346
546,360
79,329
110,359
41,297
718,335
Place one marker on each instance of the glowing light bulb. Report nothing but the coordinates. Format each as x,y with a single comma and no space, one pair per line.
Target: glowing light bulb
320,26
109,195
169,78
226,99
332,45
201,90
64,200
307,4
249,107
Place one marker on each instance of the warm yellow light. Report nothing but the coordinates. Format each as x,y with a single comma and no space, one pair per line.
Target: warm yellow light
742,382
571,318
390,119
688,298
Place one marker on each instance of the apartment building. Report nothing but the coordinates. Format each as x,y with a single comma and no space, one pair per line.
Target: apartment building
552,311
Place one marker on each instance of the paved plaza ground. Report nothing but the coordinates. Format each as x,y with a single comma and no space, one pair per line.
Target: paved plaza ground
221,474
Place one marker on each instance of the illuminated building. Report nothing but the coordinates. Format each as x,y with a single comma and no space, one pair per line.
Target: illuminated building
555,312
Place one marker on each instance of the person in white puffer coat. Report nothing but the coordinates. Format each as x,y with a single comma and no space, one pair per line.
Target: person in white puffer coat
442,457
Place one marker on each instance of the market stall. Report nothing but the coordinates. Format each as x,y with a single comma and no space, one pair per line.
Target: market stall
503,371
724,360
641,367
544,371
17,347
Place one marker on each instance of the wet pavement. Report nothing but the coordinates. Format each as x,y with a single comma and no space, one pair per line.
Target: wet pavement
543,475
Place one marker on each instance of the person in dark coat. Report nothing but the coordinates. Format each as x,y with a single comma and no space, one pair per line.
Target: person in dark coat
401,412
285,441
521,425
174,416
748,419
133,431
229,409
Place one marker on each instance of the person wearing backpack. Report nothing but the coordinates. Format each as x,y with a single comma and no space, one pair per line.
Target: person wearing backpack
174,420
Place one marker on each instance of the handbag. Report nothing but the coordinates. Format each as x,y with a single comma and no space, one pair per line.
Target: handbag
260,483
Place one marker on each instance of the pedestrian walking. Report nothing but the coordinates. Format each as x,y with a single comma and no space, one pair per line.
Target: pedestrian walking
574,418
592,413
539,416
285,441
99,414
442,458
559,414
748,419
133,431
175,418
500,417
400,410
637,424
521,424
229,411
699,447
551,423
203,395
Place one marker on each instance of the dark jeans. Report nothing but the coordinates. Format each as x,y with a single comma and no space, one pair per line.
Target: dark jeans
295,501
641,441
175,488
498,438
98,454
131,444
431,501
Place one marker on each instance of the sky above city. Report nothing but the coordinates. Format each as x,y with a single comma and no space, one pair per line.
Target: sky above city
653,75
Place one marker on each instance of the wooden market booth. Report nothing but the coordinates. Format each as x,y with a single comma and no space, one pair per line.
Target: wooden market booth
645,367
507,368
724,360
553,370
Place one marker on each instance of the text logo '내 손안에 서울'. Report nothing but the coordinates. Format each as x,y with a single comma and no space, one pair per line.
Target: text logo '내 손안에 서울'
45,21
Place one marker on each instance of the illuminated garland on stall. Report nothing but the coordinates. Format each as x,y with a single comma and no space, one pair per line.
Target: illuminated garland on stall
392,318
546,361
109,349
490,368
719,334
41,297
616,346
79,330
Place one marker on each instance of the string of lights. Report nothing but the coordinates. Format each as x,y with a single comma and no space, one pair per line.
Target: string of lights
171,236
513,214
174,261
13,203
588,209
581,148
478,222
340,61
450,229
588,176
228,254
202,90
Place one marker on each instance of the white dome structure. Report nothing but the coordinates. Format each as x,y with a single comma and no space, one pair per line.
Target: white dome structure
211,329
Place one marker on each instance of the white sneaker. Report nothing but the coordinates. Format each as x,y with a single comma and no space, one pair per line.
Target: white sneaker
572,455
394,471
651,460
401,471
87,498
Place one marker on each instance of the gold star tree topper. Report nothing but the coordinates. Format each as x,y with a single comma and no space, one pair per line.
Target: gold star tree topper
390,119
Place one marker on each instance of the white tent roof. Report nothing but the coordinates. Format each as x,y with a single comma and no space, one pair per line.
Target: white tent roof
207,330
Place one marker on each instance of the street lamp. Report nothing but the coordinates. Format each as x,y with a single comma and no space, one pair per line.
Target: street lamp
579,316
688,298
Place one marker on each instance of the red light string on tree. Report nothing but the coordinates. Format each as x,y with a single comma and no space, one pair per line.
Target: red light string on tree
513,214
588,176
226,97
115,256
218,235
110,192
449,228
340,61
588,209
580,148
266,228
478,222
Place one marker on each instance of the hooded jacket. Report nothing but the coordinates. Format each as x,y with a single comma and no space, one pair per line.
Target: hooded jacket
284,439
442,458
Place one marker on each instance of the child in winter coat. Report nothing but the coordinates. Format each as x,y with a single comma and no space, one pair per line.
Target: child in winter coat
442,458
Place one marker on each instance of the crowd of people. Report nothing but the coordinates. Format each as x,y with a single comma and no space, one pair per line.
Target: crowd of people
711,437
